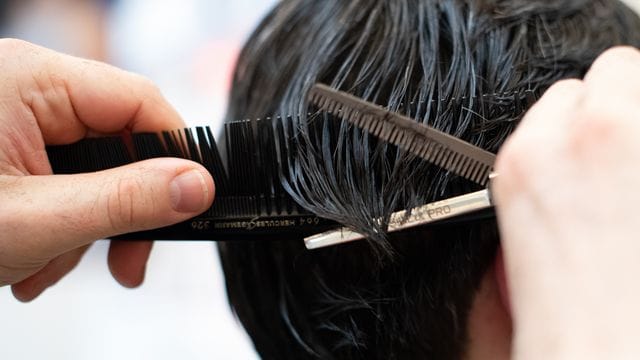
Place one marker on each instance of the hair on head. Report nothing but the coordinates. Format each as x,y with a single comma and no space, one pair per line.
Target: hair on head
470,68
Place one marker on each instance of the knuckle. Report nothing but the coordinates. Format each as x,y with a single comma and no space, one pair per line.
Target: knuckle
566,86
621,52
615,57
126,204
516,161
569,92
596,127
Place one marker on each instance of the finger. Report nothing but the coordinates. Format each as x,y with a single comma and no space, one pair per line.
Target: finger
69,96
128,261
549,112
31,287
614,78
525,152
612,97
86,207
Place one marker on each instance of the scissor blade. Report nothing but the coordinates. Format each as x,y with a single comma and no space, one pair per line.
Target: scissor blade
434,146
437,212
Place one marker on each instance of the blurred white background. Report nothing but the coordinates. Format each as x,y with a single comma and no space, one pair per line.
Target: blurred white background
188,47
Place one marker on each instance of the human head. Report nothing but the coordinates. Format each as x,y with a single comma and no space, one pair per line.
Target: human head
461,66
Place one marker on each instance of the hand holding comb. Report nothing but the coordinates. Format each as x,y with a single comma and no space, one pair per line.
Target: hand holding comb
250,202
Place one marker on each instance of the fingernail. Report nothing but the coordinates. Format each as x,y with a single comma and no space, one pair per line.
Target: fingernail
189,192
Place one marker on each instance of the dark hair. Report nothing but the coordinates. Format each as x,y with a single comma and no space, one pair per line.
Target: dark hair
465,67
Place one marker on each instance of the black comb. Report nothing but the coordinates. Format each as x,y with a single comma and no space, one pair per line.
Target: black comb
438,148
250,200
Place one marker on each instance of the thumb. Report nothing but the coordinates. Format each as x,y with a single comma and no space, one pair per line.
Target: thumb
54,214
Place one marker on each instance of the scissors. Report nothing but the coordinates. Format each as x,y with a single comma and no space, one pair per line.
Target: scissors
434,146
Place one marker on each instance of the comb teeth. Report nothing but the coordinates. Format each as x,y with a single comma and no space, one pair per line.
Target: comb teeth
434,146
249,185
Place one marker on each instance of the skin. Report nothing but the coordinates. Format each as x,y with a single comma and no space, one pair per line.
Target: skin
489,323
567,198
47,222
